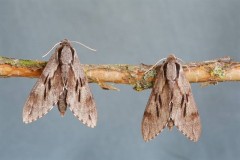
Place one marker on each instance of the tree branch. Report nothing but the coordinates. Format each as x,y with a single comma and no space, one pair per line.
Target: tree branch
208,72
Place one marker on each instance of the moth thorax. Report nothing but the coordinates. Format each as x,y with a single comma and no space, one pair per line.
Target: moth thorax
66,55
171,72
170,124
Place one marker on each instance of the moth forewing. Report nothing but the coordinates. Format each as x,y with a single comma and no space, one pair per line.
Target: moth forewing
156,113
64,83
187,118
171,103
44,93
80,98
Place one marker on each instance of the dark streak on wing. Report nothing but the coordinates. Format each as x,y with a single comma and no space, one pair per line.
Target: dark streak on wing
73,53
178,69
49,84
160,101
59,53
165,69
79,96
182,101
89,99
185,110
45,81
155,97
157,110
45,93
76,87
81,83
171,106
147,114
157,104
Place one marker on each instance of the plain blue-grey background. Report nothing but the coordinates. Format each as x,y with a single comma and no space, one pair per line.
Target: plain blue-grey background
123,32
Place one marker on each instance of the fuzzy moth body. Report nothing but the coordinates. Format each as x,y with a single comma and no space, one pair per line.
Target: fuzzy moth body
171,103
62,83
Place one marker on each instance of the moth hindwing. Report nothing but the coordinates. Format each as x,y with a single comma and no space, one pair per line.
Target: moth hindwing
62,83
171,103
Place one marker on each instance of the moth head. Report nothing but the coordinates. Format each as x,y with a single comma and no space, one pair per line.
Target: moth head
171,57
65,42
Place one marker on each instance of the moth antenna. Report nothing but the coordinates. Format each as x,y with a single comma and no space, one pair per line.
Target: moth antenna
84,46
154,65
182,62
51,49
180,59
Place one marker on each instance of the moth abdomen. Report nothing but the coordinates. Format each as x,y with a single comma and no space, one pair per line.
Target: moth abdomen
170,124
62,103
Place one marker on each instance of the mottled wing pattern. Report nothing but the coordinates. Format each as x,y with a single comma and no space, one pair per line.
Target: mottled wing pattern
45,93
79,97
185,114
156,113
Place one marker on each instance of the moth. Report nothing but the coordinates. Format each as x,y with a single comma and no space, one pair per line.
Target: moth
62,83
171,103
